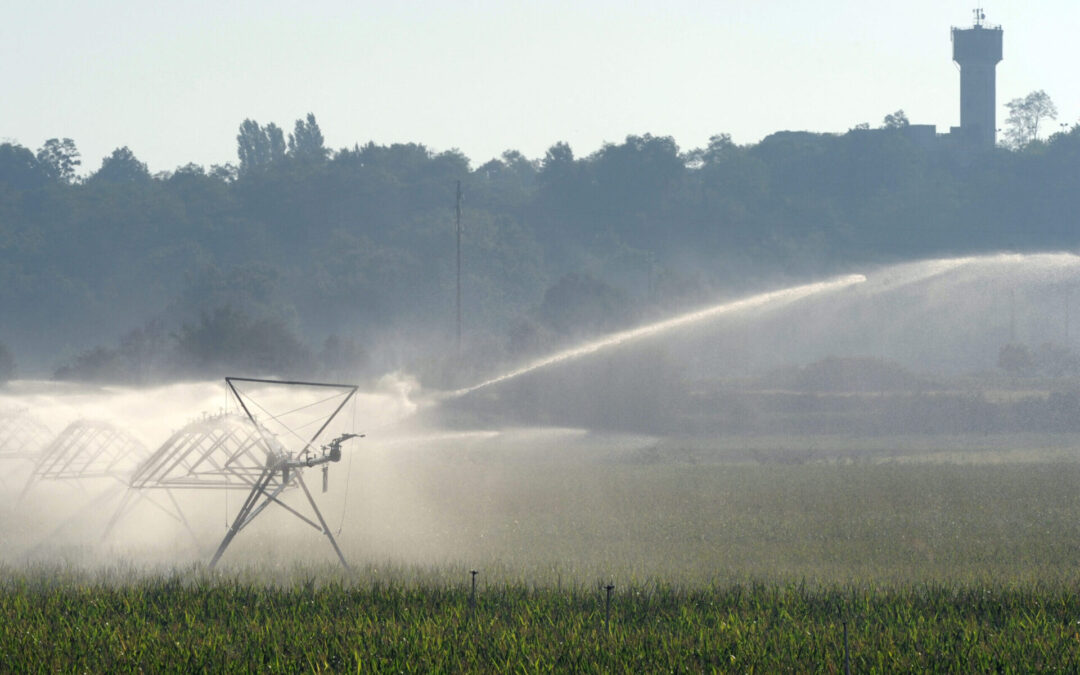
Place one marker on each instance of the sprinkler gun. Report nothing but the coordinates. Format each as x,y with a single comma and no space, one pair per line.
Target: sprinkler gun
331,453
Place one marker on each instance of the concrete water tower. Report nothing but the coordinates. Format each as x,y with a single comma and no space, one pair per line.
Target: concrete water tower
977,50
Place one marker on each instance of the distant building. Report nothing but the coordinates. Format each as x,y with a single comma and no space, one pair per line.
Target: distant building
977,50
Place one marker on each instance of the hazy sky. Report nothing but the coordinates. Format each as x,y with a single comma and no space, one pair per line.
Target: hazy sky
174,80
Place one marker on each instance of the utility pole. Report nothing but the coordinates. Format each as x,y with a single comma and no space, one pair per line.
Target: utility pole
459,271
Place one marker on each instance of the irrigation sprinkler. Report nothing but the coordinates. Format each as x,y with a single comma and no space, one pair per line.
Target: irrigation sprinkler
472,594
287,454
607,607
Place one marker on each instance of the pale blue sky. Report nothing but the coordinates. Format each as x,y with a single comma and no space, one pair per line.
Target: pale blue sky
174,80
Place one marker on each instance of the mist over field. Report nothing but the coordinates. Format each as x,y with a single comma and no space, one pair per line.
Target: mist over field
816,355
833,404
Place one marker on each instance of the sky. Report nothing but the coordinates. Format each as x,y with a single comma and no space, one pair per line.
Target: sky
173,81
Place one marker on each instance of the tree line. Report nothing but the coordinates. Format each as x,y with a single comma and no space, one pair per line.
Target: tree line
250,264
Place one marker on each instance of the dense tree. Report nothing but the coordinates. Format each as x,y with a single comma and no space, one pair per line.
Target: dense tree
634,177
896,120
59,159
362,245
1025,116
224,172
258,146
226,338
121,167
506,183
306,140
19,168
561,180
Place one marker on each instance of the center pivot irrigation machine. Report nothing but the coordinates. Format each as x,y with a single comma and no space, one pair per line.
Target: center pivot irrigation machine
261,447
288,449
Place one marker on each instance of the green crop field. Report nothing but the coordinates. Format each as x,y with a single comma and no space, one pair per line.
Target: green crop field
192,622
741,555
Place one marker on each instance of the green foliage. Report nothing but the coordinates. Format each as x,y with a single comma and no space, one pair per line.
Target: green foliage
59,159
896,120
306,141
194,623
633,181
121,167
19,168
258,147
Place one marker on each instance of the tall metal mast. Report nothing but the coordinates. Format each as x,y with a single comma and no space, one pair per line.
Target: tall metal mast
459,270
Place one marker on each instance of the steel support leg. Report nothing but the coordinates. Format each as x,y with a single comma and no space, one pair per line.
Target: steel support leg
238,524
325,528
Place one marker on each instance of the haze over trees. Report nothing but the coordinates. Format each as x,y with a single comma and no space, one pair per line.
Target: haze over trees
132,276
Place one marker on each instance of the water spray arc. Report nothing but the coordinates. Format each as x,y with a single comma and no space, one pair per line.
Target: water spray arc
785,295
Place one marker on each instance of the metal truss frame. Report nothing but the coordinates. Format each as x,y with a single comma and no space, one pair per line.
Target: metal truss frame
22,436
282,468
214,452
86,449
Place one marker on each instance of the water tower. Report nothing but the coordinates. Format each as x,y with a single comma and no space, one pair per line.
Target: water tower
977,50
